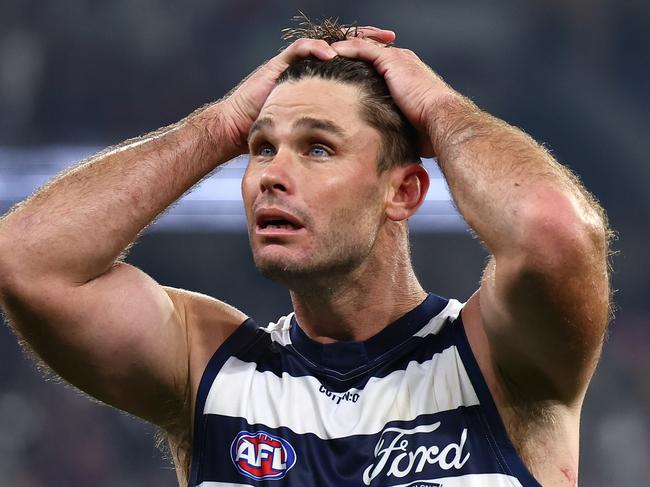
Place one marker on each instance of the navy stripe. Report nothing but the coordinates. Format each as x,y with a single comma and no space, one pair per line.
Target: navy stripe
342,461
493,423
288,360
348,357
247,334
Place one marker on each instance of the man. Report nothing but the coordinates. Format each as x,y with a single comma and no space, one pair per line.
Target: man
371,381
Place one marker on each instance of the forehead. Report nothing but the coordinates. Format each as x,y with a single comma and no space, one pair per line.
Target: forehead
317,98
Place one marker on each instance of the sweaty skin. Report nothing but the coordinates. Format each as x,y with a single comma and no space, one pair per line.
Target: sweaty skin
535,325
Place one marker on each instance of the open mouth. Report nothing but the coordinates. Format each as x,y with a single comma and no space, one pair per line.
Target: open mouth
276,221
278,224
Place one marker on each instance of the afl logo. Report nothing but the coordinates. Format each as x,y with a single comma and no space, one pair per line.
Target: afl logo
262,456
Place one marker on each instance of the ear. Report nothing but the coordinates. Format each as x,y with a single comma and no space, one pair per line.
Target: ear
408,187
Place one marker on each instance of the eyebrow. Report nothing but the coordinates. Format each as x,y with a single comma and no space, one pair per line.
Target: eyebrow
302,123
319,124
259,124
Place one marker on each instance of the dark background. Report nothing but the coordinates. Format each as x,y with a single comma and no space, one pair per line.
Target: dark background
575,74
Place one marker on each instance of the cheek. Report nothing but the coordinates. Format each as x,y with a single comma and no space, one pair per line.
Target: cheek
356,209
248,190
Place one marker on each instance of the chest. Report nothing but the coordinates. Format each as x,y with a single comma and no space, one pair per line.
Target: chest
407,423
320,402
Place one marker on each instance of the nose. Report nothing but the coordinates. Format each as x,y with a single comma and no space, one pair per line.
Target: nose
277,175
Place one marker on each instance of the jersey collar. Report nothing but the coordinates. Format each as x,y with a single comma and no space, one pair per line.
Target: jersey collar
344,356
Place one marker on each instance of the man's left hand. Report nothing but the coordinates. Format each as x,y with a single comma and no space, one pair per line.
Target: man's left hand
415,87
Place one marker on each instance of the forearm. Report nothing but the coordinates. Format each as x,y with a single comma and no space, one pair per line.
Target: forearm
506,186
77,225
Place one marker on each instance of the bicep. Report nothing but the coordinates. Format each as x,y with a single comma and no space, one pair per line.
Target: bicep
119,337
545,319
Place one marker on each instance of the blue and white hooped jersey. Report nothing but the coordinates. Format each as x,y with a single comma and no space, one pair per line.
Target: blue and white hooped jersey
408,407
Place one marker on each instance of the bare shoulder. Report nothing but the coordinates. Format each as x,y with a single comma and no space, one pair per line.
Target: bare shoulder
209,322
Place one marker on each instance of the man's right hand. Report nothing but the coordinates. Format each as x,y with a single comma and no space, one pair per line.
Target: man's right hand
229,121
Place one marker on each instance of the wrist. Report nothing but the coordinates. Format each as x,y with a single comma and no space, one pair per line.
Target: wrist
450,119
215,139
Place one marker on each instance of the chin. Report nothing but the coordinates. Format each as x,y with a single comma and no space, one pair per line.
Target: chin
281,269
300,268
305,276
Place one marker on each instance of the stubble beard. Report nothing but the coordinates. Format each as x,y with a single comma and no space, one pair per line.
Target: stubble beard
334,257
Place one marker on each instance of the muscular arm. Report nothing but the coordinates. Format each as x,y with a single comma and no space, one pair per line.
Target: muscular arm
103,325
545,292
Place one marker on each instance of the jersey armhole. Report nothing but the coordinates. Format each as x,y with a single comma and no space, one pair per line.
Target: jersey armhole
242,336
504,449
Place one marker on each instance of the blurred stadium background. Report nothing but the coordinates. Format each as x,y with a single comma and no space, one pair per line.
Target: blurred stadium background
76,76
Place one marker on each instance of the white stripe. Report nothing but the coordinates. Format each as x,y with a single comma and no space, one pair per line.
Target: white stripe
222,484
471,480
279,330
438,384
452,310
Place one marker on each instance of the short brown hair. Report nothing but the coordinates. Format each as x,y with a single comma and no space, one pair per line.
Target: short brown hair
399,138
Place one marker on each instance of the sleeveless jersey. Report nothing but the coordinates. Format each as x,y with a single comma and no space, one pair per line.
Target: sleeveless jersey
408,407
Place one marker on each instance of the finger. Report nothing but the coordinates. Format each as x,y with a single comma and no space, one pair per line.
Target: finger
359,49
303,48
381,35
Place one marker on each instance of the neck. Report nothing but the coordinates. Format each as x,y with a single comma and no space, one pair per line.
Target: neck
360,304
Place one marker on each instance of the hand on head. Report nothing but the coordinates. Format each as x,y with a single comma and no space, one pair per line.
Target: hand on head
413,85
229,121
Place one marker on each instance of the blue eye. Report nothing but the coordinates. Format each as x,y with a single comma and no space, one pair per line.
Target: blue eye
318,151
266,151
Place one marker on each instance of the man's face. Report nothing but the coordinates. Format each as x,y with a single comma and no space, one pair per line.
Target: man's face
313,198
